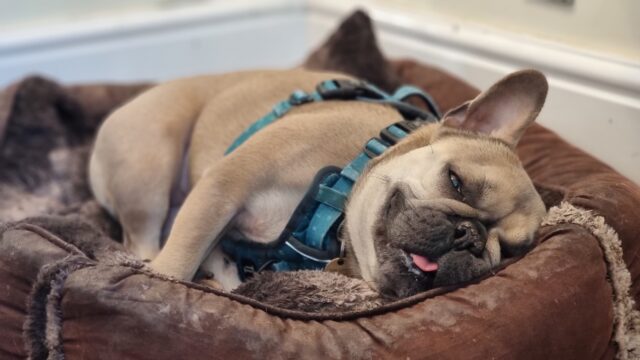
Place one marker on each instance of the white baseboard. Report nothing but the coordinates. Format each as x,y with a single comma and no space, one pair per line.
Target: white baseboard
594,102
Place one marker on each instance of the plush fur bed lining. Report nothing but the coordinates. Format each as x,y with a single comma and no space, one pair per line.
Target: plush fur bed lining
43,328
626,332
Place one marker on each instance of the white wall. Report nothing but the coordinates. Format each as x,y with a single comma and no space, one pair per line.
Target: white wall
599,26
159,44
28,13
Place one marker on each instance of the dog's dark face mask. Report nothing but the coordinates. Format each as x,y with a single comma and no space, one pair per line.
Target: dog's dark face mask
421,248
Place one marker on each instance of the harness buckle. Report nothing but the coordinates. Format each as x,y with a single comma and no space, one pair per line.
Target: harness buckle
248,271
341,89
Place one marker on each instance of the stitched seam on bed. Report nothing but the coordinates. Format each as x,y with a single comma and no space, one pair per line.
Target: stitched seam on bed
47,235
342,316
271,310
304,316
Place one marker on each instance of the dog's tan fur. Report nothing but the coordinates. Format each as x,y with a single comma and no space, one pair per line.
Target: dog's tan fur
139,151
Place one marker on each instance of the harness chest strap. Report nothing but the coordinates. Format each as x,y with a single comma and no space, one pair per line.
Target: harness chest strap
310,239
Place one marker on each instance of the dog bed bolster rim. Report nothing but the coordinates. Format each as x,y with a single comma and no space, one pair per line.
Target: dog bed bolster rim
140,268
77,260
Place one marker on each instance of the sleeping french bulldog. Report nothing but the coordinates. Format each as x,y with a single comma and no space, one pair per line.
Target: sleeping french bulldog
442,206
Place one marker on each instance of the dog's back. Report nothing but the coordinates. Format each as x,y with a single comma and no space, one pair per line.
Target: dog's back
140,149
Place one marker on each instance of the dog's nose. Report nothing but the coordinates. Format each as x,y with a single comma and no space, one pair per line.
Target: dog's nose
470,235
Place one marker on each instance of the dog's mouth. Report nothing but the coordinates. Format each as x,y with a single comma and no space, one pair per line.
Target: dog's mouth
404,273
418,261
419,264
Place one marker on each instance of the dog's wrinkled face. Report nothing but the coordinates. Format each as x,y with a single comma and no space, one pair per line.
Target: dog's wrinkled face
447,203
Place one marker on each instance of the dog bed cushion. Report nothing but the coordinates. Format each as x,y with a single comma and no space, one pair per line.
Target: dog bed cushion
68,290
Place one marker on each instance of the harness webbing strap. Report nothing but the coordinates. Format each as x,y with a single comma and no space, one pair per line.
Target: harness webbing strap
341,90
407,91
331,197
310,237
376,147
298,97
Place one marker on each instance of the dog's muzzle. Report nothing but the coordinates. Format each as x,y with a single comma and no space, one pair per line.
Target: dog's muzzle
420,248
431,233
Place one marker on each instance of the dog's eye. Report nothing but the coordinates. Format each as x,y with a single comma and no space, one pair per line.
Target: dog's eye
455,181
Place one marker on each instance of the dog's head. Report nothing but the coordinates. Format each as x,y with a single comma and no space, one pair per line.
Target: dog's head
451,200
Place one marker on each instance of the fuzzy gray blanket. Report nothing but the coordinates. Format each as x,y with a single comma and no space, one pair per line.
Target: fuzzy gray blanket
46,132
311,291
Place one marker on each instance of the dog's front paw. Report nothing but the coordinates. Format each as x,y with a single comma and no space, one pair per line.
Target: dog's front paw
170,268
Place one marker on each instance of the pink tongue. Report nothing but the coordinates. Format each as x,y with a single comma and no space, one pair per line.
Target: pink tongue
423,263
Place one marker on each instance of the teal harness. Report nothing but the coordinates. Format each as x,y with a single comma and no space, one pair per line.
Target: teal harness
310,239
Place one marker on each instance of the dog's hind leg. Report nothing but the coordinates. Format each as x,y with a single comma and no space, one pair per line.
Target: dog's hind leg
136,160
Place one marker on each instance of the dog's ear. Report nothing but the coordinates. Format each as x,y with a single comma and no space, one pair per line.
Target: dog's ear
506,109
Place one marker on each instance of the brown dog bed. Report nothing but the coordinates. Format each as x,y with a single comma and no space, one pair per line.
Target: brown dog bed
68,290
